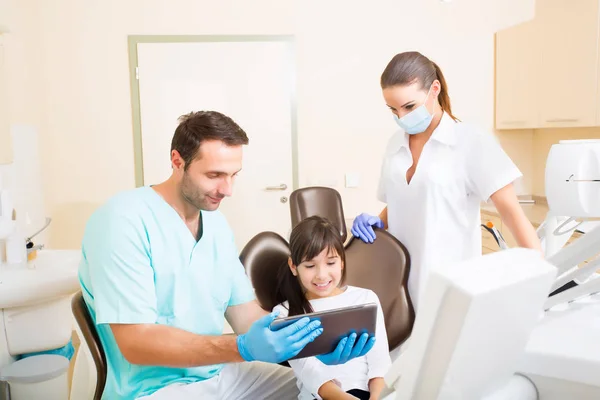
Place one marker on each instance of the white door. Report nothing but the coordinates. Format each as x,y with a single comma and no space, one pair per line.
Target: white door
251,82
6,155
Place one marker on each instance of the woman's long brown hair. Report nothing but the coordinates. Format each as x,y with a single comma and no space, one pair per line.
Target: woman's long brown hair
406,68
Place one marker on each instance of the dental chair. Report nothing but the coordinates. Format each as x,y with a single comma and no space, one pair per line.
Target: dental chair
322,201
381,266
88,329
262,257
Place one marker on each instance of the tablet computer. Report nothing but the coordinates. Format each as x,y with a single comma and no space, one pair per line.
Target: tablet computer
337,324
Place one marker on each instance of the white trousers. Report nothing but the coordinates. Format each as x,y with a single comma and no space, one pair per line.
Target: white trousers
247,381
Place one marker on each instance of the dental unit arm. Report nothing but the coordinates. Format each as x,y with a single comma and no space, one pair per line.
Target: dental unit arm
573,195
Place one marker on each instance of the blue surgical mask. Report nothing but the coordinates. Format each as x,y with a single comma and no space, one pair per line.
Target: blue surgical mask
416,121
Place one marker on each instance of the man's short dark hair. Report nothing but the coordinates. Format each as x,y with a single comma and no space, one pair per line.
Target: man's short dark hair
197,127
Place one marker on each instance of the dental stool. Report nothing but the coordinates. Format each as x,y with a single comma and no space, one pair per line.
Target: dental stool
382,266
90,336
40,377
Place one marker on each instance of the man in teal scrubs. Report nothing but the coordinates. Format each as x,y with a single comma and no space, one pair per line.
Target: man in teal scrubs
160,273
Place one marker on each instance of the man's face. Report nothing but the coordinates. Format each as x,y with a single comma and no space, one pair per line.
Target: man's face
210,176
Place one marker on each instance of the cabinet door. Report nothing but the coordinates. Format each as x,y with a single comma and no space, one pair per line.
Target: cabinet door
569,71
517,61
5,138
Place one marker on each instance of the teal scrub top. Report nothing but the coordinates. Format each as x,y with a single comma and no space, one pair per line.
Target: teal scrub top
141,265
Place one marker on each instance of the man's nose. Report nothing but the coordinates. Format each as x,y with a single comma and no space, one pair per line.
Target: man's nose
226,187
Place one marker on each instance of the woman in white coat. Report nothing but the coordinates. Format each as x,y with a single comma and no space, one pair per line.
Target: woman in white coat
435,173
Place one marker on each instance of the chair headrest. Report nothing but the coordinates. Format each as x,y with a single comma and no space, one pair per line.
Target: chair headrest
322,201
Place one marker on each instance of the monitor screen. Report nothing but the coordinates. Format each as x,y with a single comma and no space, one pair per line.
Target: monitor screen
472,326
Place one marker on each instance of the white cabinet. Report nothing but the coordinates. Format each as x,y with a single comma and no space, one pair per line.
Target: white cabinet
517,58
569,62
547,70
5,138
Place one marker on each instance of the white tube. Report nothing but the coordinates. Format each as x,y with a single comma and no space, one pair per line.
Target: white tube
518,388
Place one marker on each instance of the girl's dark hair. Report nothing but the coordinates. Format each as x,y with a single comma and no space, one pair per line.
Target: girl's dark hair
309,238
406,68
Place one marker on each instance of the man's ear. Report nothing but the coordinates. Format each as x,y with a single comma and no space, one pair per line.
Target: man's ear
292,267
176,160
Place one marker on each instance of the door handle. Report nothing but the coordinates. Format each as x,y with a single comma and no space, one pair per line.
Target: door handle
283,186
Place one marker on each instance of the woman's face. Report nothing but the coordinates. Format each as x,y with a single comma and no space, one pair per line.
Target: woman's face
404,99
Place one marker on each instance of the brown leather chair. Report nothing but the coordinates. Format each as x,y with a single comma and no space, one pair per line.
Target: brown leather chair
322,201
262,257
382,266
88,329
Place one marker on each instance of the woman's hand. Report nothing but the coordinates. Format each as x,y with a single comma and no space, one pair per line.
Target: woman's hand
362,227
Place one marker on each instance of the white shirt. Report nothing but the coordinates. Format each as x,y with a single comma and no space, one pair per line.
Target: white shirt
311,373
437,215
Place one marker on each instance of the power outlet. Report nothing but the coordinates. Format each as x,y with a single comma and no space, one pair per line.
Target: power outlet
352,180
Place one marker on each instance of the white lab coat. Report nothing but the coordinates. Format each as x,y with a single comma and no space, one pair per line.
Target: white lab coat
437,215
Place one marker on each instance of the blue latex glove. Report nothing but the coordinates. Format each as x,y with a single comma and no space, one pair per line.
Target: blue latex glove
362,227
346,349
260,343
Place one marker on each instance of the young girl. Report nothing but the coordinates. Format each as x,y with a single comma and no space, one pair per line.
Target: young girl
314,281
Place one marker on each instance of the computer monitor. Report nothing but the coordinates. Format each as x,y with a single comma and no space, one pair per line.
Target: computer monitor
472,326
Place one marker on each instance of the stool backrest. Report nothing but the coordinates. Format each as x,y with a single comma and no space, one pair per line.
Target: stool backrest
4,391
90,335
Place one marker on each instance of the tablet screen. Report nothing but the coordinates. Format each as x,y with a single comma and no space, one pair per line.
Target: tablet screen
337,324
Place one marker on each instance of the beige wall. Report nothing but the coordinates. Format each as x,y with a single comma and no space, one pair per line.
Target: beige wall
70,79
519,145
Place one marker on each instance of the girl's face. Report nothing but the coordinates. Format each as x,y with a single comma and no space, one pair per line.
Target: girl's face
321,276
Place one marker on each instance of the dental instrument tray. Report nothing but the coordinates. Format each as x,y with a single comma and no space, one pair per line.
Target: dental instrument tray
336,323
